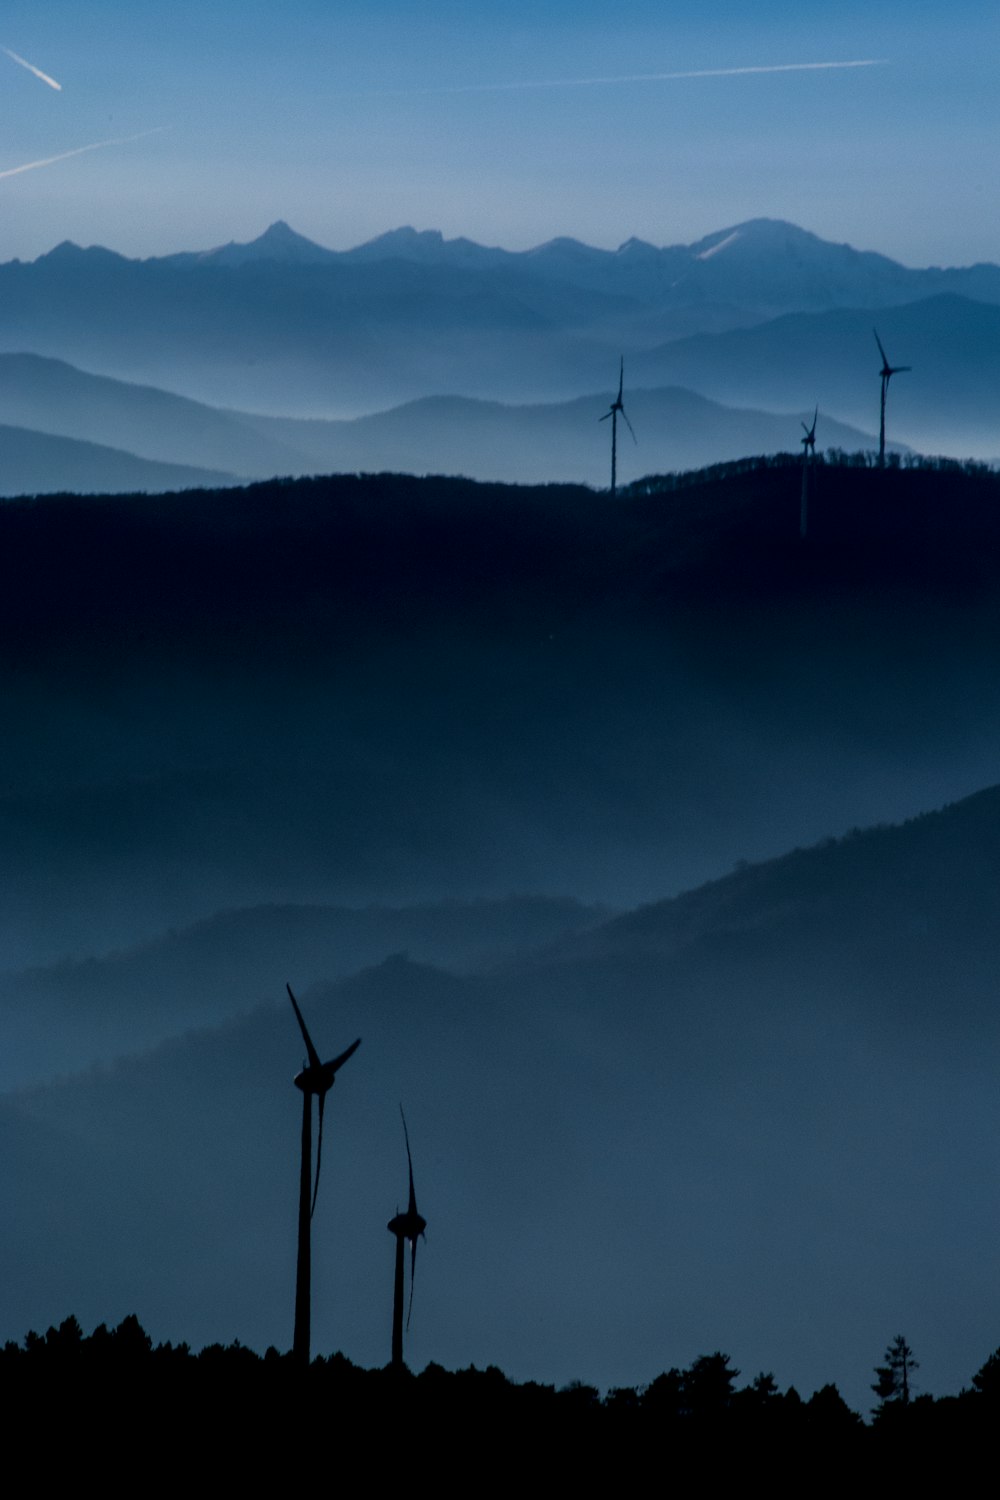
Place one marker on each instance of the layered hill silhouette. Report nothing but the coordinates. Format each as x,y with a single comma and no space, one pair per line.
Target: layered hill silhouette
943,405
288,328
65,1016
388,689
456,435
784,1079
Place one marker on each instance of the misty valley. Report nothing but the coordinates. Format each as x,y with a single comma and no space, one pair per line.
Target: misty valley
419,354
650,848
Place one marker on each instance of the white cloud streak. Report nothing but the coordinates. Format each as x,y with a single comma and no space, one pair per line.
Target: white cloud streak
32,69
48,161
623,78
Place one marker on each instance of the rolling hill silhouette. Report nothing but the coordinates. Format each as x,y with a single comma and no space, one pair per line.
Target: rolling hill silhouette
786,1077
38,463
479,439
385,689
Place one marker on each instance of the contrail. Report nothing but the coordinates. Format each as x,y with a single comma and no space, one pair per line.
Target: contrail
32,69
47,161
579,83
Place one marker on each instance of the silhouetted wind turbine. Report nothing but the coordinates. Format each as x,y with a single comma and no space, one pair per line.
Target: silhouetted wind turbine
808,454
887,372
315,1078
409,1226
612,412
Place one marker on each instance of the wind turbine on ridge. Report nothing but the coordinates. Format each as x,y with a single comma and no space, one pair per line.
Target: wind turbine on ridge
406,1226
808,455
612,412
887,372
316,1078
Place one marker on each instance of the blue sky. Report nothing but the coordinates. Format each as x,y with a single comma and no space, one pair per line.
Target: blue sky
348,121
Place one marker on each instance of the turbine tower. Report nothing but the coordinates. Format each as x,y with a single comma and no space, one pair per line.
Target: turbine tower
612,412
409,1226
316,1078
887,372
808,454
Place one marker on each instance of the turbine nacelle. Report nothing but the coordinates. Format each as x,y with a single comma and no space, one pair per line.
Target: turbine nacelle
405,1226
315,1079
888,370
319,1079
408,1226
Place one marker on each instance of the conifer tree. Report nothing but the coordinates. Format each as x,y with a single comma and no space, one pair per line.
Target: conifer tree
894,1383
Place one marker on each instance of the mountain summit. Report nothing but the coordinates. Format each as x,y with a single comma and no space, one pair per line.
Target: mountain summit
279,242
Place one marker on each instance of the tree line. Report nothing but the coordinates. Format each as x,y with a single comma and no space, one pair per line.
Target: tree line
67,1375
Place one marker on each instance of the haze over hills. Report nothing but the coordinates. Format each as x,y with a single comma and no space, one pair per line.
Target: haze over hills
755,1080
70,1015
332,693
389,689
761,316
483,440
946,403
37,463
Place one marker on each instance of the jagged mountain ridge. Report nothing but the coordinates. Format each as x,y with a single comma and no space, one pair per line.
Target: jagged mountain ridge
765,264
285,327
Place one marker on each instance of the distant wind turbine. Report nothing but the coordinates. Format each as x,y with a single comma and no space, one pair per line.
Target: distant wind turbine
887,372
612,412
808,455
407,1226
315,1078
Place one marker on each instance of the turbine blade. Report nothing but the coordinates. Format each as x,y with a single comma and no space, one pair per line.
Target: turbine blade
628,424
413,1277
885,358
319,1152
607,414
313,1055
900,369
412,1208
338,1062
621,377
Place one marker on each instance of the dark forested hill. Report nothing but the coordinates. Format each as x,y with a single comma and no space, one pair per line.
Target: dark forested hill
382,688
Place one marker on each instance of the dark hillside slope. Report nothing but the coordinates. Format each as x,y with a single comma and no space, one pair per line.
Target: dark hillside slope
383,688
900,922
774,1130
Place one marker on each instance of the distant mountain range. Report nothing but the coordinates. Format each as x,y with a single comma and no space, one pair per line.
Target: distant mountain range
763,317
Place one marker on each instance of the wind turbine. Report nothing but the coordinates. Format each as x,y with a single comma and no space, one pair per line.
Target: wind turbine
887,372
808,454
316,1078
409,1226
612,412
